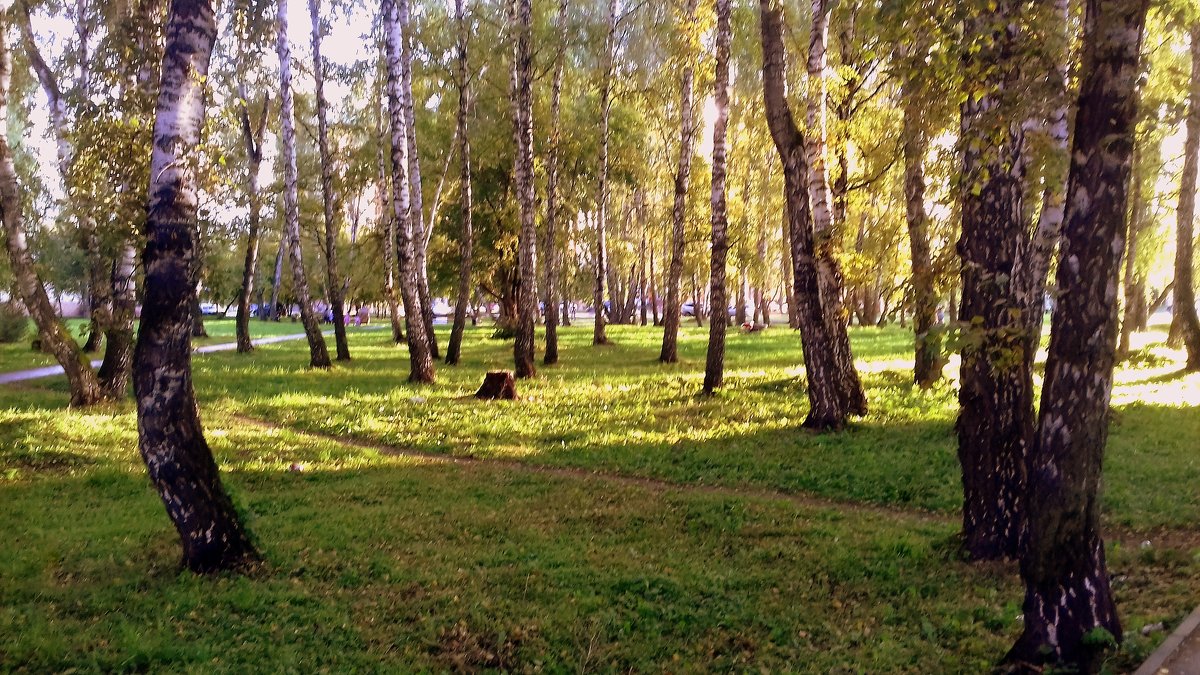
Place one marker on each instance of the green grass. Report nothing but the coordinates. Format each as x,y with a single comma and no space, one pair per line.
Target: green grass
383,562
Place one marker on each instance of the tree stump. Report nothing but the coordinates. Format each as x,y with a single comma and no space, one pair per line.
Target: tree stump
498,384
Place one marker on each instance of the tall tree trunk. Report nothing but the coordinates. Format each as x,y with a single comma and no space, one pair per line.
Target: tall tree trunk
642,259
1185,289
825,230
1135,301
277,277
97,268
928,359
550,291
332,278
653,292
252,139
97,281
785,272
739,311
395,20
995,422
599,334
714,368
671,312
827,406
171,439
389,234
1067,594
85,388
1033,265
141,29
418,226
318,354
466,241
523,346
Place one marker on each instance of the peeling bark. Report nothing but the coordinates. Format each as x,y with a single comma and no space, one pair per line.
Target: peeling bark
928,358
466,241
318,354
550,290
827,409
714,368
171,439
995,423
1067,594
419,354
333,279
825,230
252,139
523,345
683,174
599,335
1185,289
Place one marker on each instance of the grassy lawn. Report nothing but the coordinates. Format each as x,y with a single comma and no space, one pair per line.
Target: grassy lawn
674,532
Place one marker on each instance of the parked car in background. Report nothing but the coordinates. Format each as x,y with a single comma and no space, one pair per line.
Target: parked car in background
210,309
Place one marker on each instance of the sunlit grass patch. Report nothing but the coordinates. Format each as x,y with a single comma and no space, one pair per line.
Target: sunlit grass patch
835,551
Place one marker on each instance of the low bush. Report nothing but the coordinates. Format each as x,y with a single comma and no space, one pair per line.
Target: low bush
13,324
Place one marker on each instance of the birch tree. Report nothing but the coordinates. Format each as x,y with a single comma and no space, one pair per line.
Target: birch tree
671,316
170,436
333,279
318,354
1068,600
523,346
715,364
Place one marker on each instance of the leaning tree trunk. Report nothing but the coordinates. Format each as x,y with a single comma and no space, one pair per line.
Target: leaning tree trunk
1068,600
395,18
332,278
417,223
523,346
318,354
995,423
825,230
85,388
928,359
466,241
98,288
252,138
171,438
671,313
714,368
599,334
1185,290
827,408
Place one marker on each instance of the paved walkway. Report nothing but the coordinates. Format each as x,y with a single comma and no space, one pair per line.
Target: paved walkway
51,371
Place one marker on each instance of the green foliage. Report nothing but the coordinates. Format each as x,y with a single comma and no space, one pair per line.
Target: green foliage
14,325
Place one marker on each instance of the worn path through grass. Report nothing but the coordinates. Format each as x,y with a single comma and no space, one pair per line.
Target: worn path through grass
611,520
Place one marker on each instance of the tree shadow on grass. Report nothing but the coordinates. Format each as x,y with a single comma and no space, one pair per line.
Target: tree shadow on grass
1162,378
